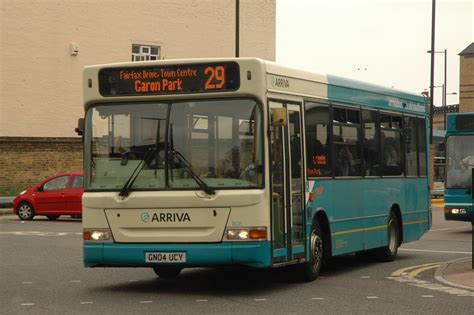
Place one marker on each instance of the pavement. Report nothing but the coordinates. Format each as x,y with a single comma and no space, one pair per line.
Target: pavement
457,273
6,211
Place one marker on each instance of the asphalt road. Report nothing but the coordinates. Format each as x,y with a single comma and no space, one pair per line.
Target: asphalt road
41,272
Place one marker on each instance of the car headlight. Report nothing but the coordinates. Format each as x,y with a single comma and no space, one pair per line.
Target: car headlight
22,193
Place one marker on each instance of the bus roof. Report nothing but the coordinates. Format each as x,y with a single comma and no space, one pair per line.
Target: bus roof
305,83
347,90
462,123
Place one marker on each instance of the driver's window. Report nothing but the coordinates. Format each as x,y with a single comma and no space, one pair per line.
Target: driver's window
56,183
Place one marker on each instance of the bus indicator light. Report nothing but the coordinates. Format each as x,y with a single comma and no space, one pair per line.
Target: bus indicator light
86,235
258,234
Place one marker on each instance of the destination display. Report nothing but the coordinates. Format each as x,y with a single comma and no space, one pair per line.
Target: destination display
464,122
169,79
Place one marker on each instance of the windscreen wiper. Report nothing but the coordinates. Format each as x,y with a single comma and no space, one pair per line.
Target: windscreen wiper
125,191
182,160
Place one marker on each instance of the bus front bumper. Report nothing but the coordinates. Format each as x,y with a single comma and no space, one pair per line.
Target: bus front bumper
469,217
253,254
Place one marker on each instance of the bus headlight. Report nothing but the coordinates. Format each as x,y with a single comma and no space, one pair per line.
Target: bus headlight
456,210
237,234
97,235
247,234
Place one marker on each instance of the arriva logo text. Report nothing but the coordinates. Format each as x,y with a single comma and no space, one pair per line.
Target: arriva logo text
280,82
166,217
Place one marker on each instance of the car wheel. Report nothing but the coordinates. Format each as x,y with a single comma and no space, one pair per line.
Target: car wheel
25,211
167,272
52,217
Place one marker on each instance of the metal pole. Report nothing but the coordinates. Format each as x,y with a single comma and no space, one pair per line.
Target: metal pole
443,87
237,10
445,84
433,14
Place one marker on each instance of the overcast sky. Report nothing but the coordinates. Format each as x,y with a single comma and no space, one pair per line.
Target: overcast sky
378,41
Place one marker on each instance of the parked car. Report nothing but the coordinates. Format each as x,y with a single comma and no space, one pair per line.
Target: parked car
57,195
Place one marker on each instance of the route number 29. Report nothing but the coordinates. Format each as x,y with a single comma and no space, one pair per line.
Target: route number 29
216,79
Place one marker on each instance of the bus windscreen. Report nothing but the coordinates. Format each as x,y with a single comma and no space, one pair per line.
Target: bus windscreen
464,122
169,79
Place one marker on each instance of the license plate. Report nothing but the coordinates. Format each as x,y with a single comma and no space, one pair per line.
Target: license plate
163,257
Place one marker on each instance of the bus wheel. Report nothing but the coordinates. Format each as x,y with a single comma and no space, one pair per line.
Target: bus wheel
25,211
167,272
310,270
52,217
389,252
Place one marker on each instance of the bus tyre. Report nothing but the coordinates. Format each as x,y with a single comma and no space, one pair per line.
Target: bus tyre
25,211
310,270
389,252
167,272
52,217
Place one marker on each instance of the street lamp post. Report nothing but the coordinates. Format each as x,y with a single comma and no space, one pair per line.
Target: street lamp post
237,27
445,52
445,86
444,98
433,24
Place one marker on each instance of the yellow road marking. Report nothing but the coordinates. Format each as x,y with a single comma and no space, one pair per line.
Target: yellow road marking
415,272
399,272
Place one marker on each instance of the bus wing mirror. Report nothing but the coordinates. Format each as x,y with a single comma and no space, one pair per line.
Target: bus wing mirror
279,117
80,127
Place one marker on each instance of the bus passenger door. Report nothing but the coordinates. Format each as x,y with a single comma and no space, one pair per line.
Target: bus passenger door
286,158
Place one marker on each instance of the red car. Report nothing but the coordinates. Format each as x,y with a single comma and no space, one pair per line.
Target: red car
57,195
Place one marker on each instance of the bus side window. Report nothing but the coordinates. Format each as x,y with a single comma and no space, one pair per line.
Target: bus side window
411,153
371,142
392,159
421,127
347,140
318,144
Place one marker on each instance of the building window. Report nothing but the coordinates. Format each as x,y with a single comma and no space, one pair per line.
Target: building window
145,52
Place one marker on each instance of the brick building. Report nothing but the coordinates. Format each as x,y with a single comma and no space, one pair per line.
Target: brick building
466,80
46,45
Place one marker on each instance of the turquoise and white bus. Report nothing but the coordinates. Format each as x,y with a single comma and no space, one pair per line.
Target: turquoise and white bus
459,194
241,161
